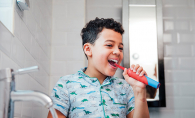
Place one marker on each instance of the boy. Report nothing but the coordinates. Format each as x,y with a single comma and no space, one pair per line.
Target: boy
93,92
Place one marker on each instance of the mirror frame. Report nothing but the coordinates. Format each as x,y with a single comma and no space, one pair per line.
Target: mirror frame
126,60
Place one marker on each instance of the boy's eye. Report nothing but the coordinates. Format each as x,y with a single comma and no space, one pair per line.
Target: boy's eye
121,48
109,45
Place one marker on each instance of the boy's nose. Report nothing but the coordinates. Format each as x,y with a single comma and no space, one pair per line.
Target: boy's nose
116,52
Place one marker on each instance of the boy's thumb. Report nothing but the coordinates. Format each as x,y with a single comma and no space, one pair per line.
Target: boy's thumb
125,73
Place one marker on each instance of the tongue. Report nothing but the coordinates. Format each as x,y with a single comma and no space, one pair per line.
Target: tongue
112,63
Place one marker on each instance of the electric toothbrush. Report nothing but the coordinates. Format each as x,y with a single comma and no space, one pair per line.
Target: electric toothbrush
144,79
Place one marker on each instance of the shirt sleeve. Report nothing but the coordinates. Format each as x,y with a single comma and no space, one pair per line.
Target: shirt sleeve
130,99
60,96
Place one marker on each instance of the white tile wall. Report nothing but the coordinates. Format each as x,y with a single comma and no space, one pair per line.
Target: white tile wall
6,40
178,50
59,24
18,52
179,60
187,63
104,3
30,45
60,38
67,55
176,76
162,113
186,38
188,114
104,9
74,35
54,79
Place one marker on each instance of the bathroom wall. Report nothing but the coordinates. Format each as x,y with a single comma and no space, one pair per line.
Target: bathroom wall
29,45
179,59
62,21
67,56
104,9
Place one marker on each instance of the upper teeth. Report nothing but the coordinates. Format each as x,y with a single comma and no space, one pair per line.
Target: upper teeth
116,61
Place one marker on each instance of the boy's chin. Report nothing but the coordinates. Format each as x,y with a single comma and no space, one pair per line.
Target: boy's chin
111,74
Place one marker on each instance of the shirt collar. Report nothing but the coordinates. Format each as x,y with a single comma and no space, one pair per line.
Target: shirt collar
93,80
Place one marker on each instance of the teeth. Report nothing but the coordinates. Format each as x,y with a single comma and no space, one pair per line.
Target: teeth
114,60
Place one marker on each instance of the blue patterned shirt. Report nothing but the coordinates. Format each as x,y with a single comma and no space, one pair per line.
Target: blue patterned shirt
79,95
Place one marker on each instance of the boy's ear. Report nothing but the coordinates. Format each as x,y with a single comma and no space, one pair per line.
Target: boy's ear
87,49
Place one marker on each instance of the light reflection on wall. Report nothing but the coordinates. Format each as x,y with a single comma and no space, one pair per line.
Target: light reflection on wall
6,13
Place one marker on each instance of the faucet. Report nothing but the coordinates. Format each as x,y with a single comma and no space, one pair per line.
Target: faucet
8,94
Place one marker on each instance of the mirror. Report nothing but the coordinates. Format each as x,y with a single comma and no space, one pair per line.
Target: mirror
142,21
143,41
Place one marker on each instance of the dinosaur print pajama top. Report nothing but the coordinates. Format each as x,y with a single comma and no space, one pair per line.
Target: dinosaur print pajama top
80,96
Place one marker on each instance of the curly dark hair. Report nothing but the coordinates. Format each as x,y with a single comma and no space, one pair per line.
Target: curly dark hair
92,29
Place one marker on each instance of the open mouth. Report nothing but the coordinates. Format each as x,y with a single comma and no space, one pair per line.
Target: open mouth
112,62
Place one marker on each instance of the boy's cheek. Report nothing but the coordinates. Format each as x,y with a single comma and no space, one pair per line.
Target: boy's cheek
101,59
121,59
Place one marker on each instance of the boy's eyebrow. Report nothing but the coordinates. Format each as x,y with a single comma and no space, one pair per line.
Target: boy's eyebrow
112,41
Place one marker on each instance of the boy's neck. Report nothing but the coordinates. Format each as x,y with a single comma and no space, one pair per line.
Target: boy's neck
91,72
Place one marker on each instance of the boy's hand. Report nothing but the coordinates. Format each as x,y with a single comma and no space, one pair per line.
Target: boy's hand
133,82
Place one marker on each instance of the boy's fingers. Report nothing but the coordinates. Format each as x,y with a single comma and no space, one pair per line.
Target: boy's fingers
132,66
125,73
143,73
139,70
136,67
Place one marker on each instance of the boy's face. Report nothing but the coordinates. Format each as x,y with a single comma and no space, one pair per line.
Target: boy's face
107,48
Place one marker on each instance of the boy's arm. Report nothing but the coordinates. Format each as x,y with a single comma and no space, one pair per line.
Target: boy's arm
141,107
60,93
139,89
59,114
